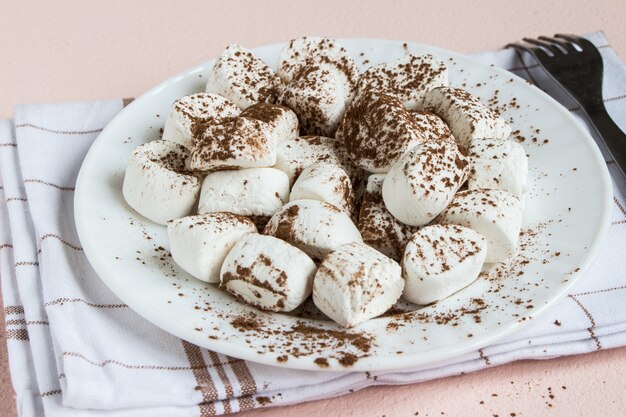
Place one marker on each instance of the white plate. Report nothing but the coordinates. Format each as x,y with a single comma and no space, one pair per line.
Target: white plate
565,218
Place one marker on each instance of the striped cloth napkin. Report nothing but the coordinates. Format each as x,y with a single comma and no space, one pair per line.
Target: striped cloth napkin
77,350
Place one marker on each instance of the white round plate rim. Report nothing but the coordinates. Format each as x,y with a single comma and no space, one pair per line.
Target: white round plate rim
148,310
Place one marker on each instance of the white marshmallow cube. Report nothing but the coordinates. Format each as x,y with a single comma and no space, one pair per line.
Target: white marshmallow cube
256,193
237,142
199,244
242,78
440,260
314,226
378,130
325,182
466,116
282,121
498,164
292,156
423,181
192,109
319,95
495,214
407,78
320,80
355,283
158,183
268,273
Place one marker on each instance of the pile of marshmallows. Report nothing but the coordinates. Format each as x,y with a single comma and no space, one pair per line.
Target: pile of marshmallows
354,180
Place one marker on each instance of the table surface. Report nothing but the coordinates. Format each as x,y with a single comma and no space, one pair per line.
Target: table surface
72,51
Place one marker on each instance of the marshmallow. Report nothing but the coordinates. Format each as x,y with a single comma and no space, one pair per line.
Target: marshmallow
242,78
325,182
314,226
313,50
236,142
190,109
282,121
292,156
499,164
441,260
431,127
319,95
268,273
199,244
320,78
356,283
158,184
378,130
407,78
495,214
255,192
378,227
466,116
423,182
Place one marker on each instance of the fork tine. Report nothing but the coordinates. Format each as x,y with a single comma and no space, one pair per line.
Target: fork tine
521,46
549,46
583,43
536,52
563,44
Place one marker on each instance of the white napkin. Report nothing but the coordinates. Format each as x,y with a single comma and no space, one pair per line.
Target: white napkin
77,350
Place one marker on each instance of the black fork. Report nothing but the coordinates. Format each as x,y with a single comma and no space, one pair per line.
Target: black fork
576,64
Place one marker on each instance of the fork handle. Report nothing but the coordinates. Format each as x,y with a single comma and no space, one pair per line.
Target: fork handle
612,136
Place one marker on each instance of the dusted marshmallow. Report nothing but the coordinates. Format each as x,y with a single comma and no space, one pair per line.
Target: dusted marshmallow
195,108
423,182
355,283
242,78
441,260
499,164
282,121
325,182
378,130
158,184
495,214
255,192
378,227
319,95
431,127
236,142
292,156
268,273
467,117
199,244
320,78
407,78
314,226
310,51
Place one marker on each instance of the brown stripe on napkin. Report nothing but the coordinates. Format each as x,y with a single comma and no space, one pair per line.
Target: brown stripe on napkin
50,393
591,320
17,334
246,382
60,239
219,368
623,287
10,310
36,181
203,379
61,301
58,132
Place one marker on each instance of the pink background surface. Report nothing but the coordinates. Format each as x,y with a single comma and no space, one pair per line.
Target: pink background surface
69,50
